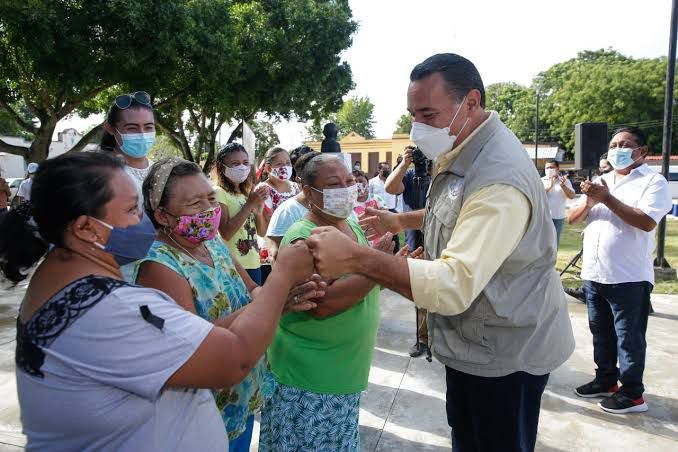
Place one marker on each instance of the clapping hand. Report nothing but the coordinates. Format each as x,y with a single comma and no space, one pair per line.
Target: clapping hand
595,192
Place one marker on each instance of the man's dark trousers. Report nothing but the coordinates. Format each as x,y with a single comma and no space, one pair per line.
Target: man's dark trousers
494,414
618,321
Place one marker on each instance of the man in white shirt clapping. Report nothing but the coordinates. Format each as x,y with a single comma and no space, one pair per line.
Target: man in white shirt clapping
622,208
558,190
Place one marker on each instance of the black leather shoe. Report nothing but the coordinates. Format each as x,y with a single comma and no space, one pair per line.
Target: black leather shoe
577,293
416,352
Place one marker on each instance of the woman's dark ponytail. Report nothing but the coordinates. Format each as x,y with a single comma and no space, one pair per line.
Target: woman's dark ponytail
21,245
64,188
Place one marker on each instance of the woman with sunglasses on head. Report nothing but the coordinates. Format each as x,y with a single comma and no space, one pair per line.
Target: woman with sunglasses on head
191,264
124,366
242,209
129,131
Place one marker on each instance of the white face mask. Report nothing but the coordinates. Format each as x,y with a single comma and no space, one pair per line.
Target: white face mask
338,202
433,141
237,174
551,172
282,173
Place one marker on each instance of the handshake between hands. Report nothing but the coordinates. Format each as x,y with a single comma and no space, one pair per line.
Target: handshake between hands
328,254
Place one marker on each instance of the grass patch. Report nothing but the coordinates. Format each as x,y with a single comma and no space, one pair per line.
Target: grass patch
571,243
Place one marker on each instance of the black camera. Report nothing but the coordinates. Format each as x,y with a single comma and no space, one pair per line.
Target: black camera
422,165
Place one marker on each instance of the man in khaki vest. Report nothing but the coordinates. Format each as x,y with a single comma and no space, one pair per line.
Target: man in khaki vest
498,319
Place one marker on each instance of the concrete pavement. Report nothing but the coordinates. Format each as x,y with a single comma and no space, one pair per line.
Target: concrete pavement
404,406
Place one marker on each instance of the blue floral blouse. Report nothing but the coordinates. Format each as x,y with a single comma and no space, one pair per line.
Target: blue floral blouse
217,292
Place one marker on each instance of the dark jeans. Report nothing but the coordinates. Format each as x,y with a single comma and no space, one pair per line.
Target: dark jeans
411,239
255,274
265,271
618,321
494,414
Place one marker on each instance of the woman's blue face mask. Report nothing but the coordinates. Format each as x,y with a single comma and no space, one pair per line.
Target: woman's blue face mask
137,145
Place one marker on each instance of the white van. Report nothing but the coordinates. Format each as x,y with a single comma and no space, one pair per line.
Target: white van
673,178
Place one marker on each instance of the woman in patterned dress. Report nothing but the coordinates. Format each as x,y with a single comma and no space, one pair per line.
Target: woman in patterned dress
191,264
281,187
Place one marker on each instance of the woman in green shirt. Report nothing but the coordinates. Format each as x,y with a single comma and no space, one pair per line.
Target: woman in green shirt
242,209
321,358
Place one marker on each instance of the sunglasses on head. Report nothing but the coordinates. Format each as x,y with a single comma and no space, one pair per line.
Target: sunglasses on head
125,100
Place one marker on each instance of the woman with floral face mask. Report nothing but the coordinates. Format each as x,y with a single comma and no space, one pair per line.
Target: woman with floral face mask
321,358
365,199
191,264
281,187
242,209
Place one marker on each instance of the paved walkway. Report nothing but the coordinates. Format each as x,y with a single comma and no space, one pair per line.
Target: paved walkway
404,406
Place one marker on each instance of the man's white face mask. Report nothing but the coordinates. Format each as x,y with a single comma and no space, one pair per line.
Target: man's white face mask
433,141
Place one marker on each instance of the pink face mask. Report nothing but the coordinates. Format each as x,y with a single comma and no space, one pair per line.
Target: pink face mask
199,227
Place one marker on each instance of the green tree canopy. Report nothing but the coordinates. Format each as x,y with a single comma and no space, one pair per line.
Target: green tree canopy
54,56
355,115
265,136
205,62
280,59
404,124
605,86
516,107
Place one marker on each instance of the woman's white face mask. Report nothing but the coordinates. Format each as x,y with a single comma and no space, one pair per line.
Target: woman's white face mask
338,202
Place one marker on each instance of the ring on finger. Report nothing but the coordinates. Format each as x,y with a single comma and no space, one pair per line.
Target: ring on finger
296,299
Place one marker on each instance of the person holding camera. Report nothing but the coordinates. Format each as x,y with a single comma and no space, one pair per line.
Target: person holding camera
498,319
558,190
402,182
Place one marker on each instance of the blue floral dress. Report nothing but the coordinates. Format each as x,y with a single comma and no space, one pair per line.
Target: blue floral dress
217,292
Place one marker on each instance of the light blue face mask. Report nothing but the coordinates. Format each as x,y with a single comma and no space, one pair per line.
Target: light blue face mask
137,145
620,158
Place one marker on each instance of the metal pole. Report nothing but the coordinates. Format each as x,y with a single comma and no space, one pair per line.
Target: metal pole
668,118
536,132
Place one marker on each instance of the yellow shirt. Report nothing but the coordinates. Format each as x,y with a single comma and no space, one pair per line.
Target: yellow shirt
243,245
491,223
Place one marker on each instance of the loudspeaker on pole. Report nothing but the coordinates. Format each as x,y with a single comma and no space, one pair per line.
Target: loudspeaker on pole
590,142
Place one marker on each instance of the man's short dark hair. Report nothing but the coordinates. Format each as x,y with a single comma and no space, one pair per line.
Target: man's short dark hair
460,75
603,157
381,164
638,134
555,162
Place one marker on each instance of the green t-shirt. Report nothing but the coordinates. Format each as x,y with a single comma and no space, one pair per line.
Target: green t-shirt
243,245
331,355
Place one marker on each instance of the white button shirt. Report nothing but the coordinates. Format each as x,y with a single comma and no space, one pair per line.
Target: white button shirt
376,187
614,251
557,197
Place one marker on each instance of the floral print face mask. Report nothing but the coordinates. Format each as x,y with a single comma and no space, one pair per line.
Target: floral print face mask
199,227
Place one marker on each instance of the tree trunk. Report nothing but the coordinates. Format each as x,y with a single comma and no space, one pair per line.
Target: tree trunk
12,149
42,139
